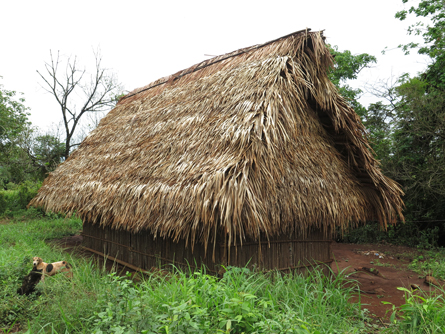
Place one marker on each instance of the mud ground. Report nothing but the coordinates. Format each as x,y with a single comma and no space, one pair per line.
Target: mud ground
379,270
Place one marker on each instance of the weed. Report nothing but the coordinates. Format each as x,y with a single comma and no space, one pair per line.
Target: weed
409,234
421,313
433,263
378,263
242,301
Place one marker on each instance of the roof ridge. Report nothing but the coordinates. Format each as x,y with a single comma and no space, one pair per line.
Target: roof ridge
209,62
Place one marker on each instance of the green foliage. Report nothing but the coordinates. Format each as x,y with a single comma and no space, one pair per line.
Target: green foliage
377,120
25,153
14,202
11,186
409,139
347,67
418,162
13,117
93,302
20,242
408,132
26,192
432,263
410,234
45,152
241,302
33,156
3,203
432,31
13,121
421,313
368,233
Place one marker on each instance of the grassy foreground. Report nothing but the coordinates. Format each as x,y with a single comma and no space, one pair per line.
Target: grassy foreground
95,301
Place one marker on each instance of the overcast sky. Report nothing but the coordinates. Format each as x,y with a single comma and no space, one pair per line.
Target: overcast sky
142,41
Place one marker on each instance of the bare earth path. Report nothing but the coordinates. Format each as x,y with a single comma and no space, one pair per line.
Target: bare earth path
361,263
391,263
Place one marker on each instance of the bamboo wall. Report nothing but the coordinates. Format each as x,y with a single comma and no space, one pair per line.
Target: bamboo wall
142,251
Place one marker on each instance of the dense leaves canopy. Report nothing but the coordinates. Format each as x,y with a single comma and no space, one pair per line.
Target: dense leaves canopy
432,30
407,128
25,153
13,116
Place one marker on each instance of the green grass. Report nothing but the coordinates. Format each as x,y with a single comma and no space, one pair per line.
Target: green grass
240,302
95,301
432,263
17,199
378,263
422,313
20,241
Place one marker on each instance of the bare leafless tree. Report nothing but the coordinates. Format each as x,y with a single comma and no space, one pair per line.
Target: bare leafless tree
95,93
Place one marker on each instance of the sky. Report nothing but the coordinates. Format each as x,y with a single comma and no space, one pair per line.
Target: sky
142,41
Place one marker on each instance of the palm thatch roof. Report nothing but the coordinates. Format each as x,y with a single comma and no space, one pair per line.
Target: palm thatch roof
257,141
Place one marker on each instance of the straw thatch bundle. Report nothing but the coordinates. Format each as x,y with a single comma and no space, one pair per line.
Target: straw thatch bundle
253,142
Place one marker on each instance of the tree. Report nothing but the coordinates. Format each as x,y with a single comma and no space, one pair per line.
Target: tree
418,160
43,152
347,67
25,153
13,121
13,118
98,92
433,34
408,128
32,156
420,130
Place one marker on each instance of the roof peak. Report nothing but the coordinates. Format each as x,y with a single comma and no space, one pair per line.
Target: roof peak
209,62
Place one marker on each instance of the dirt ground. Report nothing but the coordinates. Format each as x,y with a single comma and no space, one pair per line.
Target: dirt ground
386,270
378,269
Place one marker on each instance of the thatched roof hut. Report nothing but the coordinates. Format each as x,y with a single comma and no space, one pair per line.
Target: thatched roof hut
253,144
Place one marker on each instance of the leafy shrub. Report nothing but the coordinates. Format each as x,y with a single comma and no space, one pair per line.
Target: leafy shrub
421,313
18,199
11,186
33,213
432,263
241,302
26,192
3,203
407,234
14,202
371,232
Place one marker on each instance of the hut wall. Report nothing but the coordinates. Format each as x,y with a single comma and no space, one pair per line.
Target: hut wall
284,253
144,251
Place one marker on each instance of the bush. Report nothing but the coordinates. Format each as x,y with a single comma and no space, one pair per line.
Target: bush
3,203
371,232
26,192
14,202
11,186
407,234
421,313
241,302
433,263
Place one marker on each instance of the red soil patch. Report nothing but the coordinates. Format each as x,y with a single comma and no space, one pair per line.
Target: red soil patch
391,262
